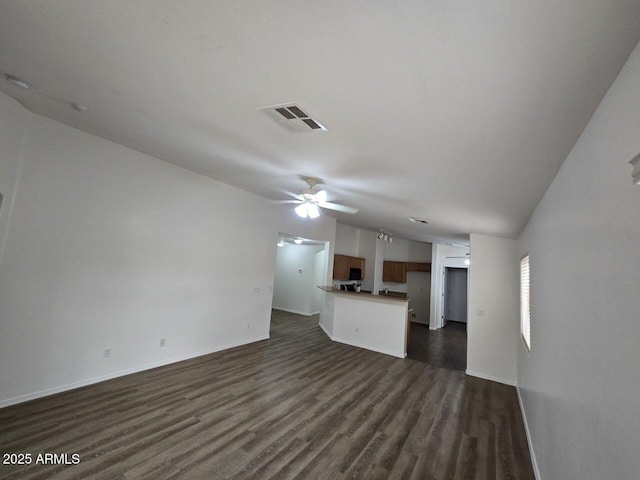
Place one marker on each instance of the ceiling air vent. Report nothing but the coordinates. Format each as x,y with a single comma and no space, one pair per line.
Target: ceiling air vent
293,118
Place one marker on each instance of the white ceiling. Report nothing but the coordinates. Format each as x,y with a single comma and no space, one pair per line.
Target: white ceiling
457,112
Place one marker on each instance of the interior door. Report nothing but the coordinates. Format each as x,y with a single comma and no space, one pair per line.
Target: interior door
456,295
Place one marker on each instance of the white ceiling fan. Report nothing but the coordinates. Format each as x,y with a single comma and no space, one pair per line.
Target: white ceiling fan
309,200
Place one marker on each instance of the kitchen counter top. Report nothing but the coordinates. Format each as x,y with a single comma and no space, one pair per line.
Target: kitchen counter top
363,295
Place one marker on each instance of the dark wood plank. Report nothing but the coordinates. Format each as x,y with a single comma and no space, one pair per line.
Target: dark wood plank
295,406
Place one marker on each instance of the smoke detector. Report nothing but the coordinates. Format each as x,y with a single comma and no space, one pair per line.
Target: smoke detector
293,118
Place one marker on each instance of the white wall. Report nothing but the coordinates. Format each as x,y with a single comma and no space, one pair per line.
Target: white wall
402,250
319,279
109,247
347,240
419,291
13,133
367,250
293,288
494,309
580,385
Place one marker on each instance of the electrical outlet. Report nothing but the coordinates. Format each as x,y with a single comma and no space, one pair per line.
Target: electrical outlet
106,353
163,342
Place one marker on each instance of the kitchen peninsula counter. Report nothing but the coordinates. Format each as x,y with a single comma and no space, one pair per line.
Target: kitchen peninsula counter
374,322
392,296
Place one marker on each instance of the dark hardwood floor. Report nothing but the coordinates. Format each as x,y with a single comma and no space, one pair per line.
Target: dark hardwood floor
445,348
295,406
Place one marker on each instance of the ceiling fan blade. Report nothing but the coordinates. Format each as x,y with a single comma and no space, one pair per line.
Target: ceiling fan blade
287,201
338,208
294,195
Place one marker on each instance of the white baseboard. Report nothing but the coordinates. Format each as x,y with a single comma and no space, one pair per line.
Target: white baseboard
369,347
490,377
90,381
297,312
534,461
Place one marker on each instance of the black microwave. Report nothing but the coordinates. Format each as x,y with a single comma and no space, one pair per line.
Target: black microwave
355,274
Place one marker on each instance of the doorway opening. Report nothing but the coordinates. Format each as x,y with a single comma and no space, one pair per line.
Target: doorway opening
455,295
301,265
445,347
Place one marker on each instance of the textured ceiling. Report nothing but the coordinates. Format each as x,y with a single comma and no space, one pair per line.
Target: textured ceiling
457,112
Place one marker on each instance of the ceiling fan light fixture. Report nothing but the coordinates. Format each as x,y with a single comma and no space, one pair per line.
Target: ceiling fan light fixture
308,209
311,201
297,241
313,211
302,210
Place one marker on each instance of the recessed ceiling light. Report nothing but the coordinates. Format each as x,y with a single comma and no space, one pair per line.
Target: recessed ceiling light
416,220
280,243
297,241
17,81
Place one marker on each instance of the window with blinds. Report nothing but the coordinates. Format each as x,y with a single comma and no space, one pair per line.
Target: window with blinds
525,301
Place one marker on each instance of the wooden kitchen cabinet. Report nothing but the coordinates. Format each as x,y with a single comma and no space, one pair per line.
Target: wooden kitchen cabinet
340,267
395,272
342,264
418,267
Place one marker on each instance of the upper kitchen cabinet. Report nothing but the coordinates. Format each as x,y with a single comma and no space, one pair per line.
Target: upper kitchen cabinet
418,267
396,272
343,264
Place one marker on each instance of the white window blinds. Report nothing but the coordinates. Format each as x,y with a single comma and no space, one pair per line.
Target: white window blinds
525,301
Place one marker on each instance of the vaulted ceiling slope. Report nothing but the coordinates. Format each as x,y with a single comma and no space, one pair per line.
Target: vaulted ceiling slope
457,112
